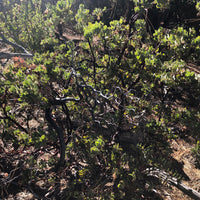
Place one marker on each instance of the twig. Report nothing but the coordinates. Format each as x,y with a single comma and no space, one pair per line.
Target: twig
15,122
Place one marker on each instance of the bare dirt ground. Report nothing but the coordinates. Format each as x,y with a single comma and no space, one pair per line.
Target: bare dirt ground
182,152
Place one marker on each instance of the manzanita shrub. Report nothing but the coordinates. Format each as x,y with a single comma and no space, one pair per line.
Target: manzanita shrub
95,114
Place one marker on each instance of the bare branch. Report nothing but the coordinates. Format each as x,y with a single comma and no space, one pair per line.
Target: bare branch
10,55
60,133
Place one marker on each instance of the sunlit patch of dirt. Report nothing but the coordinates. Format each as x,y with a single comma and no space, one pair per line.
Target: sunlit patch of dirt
182,153
69,34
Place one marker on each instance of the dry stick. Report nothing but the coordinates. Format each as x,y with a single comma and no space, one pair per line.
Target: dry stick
157,173
60,135
10,55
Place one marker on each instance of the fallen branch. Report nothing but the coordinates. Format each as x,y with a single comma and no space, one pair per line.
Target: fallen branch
157,173
10,55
